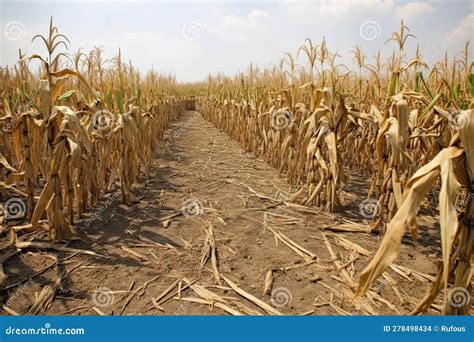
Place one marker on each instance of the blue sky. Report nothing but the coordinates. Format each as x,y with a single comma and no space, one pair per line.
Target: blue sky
195,38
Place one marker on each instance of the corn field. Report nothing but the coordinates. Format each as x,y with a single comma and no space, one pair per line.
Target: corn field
64,144
81,127
405,133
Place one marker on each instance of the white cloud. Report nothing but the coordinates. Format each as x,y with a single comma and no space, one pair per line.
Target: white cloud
340,7
235,34
242,29
413,9
258,16
255,19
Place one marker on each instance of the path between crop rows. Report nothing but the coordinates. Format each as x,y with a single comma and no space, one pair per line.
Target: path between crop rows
149,246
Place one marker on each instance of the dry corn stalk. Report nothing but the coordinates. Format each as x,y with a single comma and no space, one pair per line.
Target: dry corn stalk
61,150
